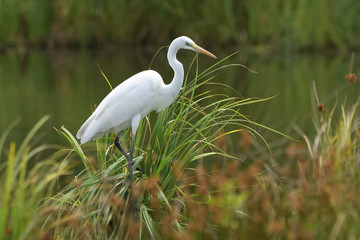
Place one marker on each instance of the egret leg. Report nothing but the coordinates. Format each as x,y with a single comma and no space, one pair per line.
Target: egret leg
128,157
130,162
134,125
117,144
130,165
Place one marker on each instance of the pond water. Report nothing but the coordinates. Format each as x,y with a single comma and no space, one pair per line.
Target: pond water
65,84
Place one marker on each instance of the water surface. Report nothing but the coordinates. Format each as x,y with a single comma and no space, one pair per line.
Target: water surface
65,84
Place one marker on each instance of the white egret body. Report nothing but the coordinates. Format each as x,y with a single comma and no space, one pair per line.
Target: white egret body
137,96
127,103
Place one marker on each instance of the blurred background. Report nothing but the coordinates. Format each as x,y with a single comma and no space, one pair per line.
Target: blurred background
300,25
50,51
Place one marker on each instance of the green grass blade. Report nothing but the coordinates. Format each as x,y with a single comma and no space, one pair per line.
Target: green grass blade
107,80
9,184
4,135
28,138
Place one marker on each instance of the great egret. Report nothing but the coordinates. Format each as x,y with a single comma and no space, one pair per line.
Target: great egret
134,98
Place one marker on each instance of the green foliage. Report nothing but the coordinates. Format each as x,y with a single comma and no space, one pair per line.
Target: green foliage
314,189
38,18
291,24
303,24
9,12
23,188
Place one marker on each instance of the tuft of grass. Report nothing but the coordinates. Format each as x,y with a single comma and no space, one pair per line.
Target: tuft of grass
315,187
22,188
95,204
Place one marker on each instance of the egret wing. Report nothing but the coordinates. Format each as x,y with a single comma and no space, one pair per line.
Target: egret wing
134,96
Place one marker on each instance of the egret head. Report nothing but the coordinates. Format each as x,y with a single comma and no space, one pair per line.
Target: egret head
186,43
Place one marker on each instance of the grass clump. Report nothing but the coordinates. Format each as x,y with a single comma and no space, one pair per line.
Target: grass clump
170,190
22,188
312,192
315,188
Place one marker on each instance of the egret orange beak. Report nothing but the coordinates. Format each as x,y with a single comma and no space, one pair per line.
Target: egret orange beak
203,51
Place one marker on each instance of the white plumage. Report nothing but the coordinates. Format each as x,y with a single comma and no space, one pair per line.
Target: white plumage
133,99
137,96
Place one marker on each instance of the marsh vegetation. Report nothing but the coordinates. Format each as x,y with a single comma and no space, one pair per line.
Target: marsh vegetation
262,144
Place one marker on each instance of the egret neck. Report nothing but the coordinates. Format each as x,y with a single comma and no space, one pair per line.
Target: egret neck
176,83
